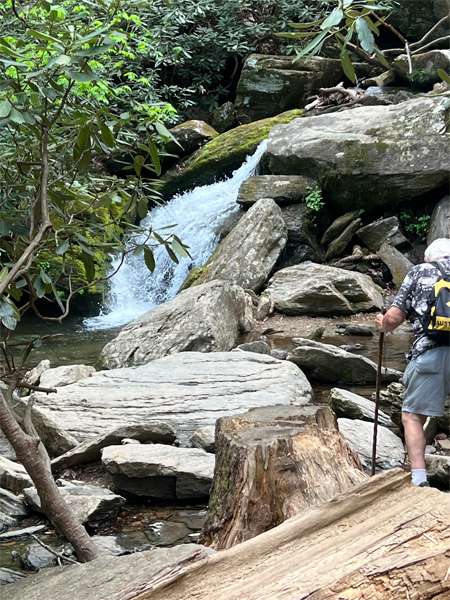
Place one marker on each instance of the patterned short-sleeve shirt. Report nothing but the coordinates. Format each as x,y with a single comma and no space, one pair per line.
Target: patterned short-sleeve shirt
412,298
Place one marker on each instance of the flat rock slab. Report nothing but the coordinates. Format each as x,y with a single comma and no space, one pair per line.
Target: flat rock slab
187,390
359,435
159,471
106,578
353,406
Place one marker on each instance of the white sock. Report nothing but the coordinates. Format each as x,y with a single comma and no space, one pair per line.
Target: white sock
418,476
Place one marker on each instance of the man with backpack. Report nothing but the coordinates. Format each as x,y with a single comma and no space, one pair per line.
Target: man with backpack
425,295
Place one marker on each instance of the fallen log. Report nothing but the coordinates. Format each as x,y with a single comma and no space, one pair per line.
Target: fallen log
271,463
383,540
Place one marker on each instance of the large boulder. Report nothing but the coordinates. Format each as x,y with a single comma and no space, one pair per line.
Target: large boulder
270,84
315,290
206,318
397,263
369,156
190,135
249,252
187,390
221,156
388,231
160,472
325,362
284,189
353,406
424,68
440,221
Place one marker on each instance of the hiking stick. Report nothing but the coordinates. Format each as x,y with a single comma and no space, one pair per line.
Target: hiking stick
377,401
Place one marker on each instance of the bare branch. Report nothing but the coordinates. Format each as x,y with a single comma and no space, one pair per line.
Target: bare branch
57,554
432,30
433,43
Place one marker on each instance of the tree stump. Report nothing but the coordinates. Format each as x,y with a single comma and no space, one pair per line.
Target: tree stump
270,464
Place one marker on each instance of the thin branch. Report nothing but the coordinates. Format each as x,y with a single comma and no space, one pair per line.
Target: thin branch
434,42
32,388
408,54
57,554
432,30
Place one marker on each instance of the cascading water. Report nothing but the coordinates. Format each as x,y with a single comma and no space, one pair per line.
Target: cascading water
201,216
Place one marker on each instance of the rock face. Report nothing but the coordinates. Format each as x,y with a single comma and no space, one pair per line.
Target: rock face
108,577
388,231
221,156
249,252
440,221
424,68
359,435
272,463
187,390
315,290
370,156
206,318
325,362
284,189
90,503
272,84
160,472
190,135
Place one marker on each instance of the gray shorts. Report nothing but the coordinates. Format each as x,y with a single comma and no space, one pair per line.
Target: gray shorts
427,382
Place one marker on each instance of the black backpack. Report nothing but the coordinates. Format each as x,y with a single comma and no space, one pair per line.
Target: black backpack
436,320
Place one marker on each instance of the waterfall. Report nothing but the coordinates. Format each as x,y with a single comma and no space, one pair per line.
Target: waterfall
200,216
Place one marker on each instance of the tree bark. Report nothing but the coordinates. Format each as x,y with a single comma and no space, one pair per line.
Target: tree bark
52,503
271,463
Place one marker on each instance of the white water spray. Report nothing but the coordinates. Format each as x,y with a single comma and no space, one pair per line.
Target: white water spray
201,216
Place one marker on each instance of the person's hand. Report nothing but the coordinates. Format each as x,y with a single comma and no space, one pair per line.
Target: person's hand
379,322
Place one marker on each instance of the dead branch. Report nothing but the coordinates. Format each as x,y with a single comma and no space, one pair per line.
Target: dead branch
57,554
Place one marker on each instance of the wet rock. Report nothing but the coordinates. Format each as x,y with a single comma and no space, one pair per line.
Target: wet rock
159,471
206,318
204,438
386,231
165,533
424,68
397,263
187,390
64,375
249,252
283,189
317,290
223,118
259,346
440,221
36,557
9,576
374,156
438,470
353,406
325,362
112,577
363,330
190,135
359,435
91,504
90,450
13,476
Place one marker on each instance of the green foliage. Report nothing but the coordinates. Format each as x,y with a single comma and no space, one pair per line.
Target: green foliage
60,111
314,199
416,226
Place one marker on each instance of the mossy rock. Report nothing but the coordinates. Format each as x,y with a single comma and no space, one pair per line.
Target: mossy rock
221,156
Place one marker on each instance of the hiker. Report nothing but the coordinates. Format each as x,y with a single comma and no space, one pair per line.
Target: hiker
427,376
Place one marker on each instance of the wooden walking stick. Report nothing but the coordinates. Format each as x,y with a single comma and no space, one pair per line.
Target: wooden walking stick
377,400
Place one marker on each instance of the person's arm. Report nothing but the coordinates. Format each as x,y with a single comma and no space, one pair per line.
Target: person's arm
391,320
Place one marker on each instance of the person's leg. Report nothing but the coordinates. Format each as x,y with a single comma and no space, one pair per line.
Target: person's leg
415,444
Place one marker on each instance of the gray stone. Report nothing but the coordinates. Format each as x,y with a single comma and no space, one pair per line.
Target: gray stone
317,290
20,533
64,375
108,577
398,264
280,354
353,406
249,252
223,117
363,330
368,157
325,362
204,438
90,450
190,135
284,189
188,390
13,476
9,576
424,68
300,227
440,221
272,84
6,521
359,435
36,557
91,504
340,244
338,226
6,450
258,346
264,308
206,318
388,231
438,470
33,376
166,533
159,471
11,505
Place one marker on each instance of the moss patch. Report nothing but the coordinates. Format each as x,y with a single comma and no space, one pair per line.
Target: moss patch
222,155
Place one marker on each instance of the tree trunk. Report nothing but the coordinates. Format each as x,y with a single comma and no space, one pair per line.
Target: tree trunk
383,540
52,503
271,463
